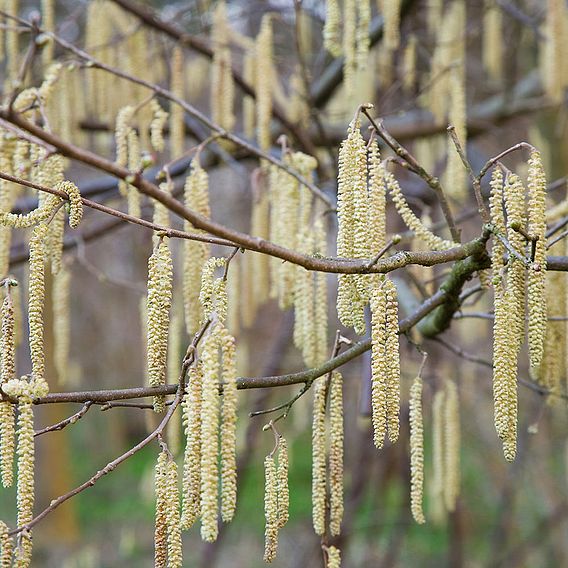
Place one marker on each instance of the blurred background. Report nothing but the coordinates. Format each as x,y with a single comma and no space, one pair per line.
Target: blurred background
512,68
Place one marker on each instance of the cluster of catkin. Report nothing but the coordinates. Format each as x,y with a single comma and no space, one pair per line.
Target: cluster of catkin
519,280
361,220
210,421
167,535
276,497
327,458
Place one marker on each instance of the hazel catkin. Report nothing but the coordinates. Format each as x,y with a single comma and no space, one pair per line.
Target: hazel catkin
282,482
416,451
158,305
336,453
318,457
192,457
270,509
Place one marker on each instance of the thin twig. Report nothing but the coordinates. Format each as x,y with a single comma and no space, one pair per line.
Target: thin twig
415,167
67,421
474,179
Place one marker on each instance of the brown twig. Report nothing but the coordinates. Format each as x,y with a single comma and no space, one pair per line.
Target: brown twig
67,421
481,207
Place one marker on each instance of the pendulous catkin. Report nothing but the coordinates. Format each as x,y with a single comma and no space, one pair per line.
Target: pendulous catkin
25,485
385,363
213,293
158,303
35,217
282,482
318,457
228,426
161,516
195,254
192,456
416,451
451,446
210,436
536,296
336,453
8,352
177,124
61,323
264,82
6,546
438,453
411,220
159,120
352,232
75,202
333,557
172,515
36,298
331,29
270,509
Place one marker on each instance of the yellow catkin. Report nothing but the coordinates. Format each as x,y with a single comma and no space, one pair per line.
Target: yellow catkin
498,221
195,254
177,124
552,54
379,365
8,353
222,86
333,557
438,453
362,39
173,516
409,65
411,220
173,372
332,28
6,544
270,509
213,293
264,79
492,41
7,443
75,203
159,120
61,323
336,453
353,228
12,45
377,199
457,182
158,304
282,482
25,485
514,193
210,436
161,515
391,14
38,215
260,228
48,24
228,426
36,297
192,456
451,446
134,165
318,457
121,132
416,451
536,296
349,46
393,361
